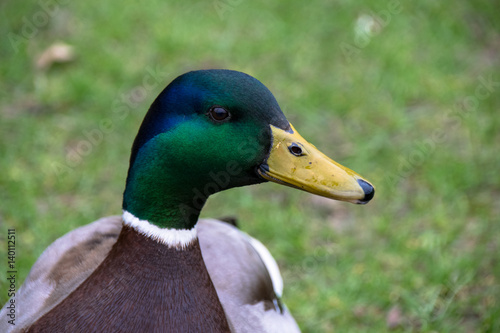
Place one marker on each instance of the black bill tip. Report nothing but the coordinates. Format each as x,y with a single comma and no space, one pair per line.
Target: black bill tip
368,189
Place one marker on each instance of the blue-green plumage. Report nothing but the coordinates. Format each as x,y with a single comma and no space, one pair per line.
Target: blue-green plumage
179,146
193,93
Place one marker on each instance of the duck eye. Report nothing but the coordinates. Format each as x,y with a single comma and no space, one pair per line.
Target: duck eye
218,113
295,149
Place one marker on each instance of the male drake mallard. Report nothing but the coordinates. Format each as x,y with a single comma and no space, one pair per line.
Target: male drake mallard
157,268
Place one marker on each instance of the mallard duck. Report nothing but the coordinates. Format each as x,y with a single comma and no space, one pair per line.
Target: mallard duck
158,267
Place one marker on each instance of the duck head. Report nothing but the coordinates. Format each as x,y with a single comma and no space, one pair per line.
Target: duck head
212,130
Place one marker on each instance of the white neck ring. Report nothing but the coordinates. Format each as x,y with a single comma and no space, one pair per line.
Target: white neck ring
175,238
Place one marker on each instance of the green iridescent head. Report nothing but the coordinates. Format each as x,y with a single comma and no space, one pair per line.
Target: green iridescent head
207,131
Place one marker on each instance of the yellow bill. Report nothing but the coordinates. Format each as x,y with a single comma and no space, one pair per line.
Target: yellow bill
295,162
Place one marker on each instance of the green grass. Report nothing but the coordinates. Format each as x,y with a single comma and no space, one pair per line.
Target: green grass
428,244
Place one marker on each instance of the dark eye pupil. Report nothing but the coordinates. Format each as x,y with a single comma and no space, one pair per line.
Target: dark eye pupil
219,113
296,150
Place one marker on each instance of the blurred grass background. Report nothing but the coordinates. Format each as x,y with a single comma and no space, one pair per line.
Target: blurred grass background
405,93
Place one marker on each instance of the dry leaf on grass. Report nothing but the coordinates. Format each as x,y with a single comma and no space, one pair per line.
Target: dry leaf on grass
56,53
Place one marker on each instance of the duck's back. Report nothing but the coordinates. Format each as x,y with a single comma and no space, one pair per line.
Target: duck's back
61,268
240,269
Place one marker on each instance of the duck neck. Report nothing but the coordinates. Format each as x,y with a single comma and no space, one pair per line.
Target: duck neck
155,192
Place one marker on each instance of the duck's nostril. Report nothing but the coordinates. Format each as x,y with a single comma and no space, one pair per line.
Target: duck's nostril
368,189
